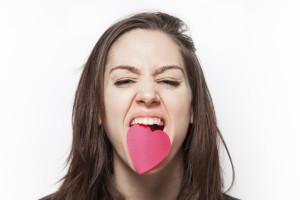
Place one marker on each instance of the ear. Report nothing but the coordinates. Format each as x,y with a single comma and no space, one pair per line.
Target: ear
192,117
99,120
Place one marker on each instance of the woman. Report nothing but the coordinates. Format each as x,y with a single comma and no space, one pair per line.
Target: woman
144,125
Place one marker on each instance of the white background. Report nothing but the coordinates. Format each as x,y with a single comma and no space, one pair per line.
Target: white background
249,51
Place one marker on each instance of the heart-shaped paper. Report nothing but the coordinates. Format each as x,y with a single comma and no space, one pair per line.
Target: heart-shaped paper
147,148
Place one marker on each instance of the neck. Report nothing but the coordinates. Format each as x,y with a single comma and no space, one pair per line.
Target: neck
161,184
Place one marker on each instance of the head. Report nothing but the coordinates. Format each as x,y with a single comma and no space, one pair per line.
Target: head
123,79
145,76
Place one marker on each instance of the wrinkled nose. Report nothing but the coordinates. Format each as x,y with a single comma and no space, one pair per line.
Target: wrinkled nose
147,94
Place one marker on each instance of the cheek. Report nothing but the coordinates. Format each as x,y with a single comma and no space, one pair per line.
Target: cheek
179,111
113,101
178,106
116,104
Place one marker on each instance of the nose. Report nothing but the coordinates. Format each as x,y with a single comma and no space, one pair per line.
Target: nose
147,94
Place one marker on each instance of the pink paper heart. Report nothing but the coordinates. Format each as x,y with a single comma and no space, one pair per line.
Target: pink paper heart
147,148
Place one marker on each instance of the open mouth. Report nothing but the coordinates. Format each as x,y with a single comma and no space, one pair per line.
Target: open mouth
153,127
153,123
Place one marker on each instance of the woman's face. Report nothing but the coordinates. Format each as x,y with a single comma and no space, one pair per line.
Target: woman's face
136,85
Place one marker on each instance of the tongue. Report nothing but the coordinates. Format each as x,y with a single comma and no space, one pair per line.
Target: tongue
147,148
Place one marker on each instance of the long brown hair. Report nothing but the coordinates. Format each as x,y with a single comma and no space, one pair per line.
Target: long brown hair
90,170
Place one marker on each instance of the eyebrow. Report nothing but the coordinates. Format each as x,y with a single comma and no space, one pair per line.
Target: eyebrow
135,70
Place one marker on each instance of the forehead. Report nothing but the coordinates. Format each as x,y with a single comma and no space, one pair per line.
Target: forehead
145,48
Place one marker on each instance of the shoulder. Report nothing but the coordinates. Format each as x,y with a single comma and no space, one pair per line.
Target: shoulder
227,197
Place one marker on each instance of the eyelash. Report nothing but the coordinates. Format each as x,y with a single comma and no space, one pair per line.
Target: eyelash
169,82
123,82
129,81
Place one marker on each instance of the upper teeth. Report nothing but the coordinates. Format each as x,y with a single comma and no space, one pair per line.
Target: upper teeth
147,121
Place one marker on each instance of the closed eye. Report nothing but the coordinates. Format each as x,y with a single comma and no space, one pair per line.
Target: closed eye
129,81
170,82
124,82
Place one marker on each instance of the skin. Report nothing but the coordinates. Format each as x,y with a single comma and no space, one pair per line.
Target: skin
126,93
